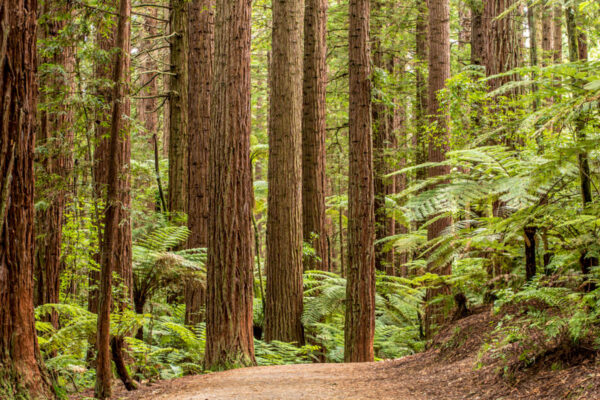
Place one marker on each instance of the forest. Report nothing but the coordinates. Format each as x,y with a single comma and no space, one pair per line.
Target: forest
371,199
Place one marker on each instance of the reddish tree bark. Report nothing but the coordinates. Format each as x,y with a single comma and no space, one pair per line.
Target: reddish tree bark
477,34
421,87
178,110
400,145
201,36
557,34
147,107
547,35
21,370
283,306
313,133
502,42
381,143
439,72
229,340
359,326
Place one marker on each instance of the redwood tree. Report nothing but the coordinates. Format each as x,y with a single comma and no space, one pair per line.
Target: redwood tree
103,73
421,86
178,109
477,33
381,143
502,42
557,33
313,133
547,35
115,255
229,340
21,372
439,72
201,24
283,307
359,326
146,107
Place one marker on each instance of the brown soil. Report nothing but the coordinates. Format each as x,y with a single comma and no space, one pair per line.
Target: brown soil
445,372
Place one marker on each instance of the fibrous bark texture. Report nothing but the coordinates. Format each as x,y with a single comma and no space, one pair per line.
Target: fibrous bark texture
502,43
557,34
284,214
421,86
439,72
400,146
477,34
147,107
359,326
229,340
178,109
313,133
547,35
381,142
201,36
21,371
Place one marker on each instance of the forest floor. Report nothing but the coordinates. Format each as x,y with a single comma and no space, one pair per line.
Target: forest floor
447,371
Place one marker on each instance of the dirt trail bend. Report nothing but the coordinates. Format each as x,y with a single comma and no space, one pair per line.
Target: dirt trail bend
310,381
405,379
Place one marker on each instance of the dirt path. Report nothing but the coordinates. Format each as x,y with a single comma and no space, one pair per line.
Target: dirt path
290,382
445,372
411,378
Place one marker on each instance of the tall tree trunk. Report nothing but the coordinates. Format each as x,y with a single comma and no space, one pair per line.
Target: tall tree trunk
400,144
359,326
530,245
103,73
547,35
116,255
381,142
533,49
502,43
464,16
56,136
201,35
439,72
21,370
229,340
557,34
284,214
477,33
146,107
421,87
313,133
178,110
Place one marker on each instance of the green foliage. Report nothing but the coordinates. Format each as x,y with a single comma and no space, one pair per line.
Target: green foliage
280,353
397,329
